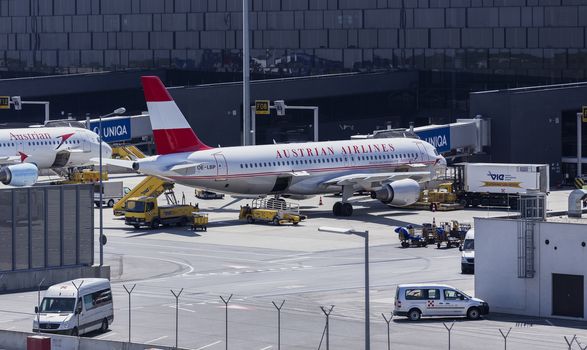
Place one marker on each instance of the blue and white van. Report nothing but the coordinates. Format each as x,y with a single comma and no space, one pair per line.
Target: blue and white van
417,300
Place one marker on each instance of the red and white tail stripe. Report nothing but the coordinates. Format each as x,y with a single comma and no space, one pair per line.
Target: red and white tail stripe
171,131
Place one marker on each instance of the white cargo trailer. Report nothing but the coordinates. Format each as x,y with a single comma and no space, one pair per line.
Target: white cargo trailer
498,184
112,193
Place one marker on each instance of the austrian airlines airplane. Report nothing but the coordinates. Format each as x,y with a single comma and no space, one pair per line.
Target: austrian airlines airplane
24,151
390,168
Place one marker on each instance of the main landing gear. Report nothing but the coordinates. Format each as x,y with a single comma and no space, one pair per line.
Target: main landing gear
344,208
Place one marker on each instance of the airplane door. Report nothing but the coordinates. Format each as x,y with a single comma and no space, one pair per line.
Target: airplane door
221,166
423,156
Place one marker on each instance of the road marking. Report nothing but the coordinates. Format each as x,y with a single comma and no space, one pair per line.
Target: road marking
179,308
289,259
156,339
109,334
209,345
209,256
267,348
190,267
134,308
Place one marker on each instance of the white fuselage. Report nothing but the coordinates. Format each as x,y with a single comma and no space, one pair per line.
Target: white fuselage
52,147
296,169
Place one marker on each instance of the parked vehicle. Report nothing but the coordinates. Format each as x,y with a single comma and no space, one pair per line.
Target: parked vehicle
199,221
468,253
489,184
452,233
67,310
112,192
271,210
408,238
203,194
145,211
416,300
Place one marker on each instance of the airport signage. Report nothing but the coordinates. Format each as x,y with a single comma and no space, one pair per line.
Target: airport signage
262,107
4,102
439,138
113,129
584,114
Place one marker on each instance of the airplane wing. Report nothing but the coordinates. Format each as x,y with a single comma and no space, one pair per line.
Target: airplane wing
9,160
374,180
116,162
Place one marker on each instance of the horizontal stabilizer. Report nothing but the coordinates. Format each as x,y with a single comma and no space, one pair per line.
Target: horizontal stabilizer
127,164
184,169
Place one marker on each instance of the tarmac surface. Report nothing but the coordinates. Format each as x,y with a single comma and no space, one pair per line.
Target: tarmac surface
261,263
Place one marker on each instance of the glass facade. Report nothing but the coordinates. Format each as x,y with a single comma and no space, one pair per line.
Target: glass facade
297,37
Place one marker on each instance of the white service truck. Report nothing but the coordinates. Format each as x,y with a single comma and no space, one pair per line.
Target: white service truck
111,194
498,184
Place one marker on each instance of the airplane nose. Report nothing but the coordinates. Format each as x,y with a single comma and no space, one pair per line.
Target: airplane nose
106,150
442,161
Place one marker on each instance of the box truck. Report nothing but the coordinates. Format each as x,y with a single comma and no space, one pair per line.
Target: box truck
498,184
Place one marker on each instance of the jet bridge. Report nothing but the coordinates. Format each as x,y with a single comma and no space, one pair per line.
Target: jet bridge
463,138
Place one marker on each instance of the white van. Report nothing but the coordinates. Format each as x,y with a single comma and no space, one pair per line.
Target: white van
468,253
64,310
416,300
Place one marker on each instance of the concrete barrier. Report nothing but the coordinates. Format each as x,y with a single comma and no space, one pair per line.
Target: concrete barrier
12,340
26,280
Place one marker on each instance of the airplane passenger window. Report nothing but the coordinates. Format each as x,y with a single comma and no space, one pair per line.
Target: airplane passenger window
241,166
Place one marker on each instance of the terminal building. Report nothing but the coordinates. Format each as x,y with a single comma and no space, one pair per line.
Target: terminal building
534,265
367,64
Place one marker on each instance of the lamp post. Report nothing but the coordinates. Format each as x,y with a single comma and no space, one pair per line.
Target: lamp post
364,234
117,111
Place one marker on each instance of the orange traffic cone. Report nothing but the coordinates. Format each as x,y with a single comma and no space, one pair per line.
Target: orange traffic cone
320,201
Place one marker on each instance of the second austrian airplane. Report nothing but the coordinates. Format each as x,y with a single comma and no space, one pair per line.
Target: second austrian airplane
391,169
24,151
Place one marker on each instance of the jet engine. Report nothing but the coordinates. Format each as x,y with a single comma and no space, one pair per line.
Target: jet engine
24,174
399,193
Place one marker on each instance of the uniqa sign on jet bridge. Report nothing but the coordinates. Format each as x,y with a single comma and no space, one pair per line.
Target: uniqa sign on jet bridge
117,129
439,138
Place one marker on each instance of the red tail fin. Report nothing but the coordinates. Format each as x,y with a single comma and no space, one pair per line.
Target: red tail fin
171,131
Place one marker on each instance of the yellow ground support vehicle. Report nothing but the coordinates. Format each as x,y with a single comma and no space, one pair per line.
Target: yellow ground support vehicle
199,221
271,210
83,177
145,211
151,186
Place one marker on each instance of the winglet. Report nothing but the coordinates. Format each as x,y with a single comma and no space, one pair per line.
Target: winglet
23,157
